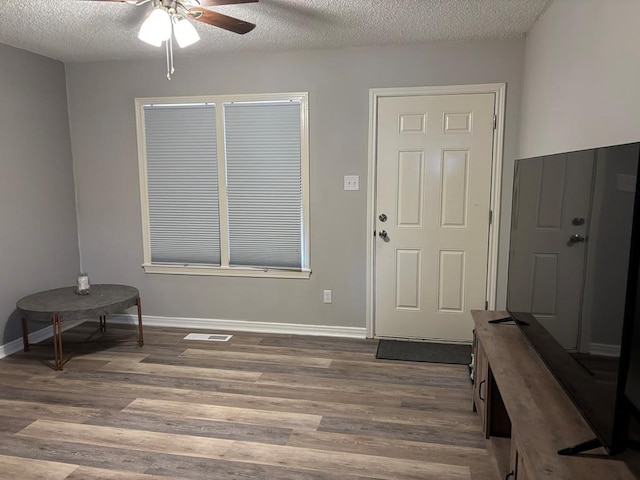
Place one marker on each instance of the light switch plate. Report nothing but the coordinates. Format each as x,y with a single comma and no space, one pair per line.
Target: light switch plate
326,296
352,182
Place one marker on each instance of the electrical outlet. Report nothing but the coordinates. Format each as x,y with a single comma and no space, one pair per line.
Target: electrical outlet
352,182
327,296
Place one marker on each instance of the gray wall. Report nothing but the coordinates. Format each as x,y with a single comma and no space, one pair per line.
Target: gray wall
581,77
38,239
101,109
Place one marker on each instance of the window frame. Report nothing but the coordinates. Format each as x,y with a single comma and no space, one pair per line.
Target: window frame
224,269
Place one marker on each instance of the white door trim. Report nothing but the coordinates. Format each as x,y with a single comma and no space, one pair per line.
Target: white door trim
499,89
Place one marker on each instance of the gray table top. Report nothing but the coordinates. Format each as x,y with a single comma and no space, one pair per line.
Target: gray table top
66,303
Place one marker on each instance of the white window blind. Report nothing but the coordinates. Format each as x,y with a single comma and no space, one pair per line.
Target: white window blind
182,183
264,184
225,184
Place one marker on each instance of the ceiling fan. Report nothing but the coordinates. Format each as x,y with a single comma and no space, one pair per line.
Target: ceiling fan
170,18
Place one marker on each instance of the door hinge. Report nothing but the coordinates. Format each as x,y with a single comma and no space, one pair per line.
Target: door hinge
490,217
495,121
486,305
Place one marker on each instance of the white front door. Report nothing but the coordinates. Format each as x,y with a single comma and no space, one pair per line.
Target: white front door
552,198
433,188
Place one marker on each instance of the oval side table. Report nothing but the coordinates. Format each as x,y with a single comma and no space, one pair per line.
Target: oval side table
62,304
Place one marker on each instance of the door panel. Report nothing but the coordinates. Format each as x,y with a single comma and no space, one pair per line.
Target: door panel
410,168
451,281
454,188
434,158
408,279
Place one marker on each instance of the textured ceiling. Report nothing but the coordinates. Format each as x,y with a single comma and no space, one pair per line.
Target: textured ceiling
83,30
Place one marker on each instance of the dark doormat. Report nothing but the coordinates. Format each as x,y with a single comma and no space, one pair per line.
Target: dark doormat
424,352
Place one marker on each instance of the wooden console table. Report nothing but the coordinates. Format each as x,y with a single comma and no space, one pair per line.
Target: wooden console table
525,414
65,304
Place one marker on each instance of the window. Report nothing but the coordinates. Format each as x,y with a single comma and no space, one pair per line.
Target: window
224,185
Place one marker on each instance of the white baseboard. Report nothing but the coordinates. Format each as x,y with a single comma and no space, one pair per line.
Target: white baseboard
202,324
34,337
242,326
604,350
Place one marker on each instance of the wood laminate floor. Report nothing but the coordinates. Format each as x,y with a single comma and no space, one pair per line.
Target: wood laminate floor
273,407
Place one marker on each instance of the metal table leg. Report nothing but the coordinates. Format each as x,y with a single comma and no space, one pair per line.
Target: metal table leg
57,342
140,338
25,335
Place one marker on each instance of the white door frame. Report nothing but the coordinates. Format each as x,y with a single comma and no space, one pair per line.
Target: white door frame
499,89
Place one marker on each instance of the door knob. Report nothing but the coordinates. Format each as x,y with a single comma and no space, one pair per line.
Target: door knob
383,234
575,238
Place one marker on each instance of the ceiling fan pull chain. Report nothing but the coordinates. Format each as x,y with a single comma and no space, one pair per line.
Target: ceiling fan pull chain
170,69
168,65
171,54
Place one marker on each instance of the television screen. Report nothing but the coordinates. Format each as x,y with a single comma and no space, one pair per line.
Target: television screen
569,266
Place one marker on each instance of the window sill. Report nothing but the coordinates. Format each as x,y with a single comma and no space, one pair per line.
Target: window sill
225,271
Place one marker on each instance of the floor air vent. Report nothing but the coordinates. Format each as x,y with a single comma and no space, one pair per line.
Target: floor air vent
208,337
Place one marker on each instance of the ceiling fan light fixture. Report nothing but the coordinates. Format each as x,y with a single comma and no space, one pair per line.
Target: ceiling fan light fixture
185,32
156,28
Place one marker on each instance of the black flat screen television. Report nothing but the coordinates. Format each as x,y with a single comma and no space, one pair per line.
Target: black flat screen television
573,286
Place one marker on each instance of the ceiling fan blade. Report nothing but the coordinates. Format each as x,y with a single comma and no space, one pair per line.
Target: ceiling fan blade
204,3
222,21
132,2
213,3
